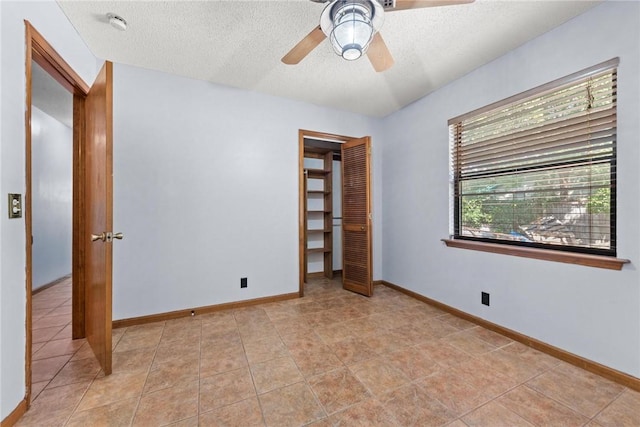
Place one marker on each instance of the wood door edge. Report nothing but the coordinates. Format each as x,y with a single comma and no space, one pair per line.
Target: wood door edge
28,226
302,232
99,192
78,276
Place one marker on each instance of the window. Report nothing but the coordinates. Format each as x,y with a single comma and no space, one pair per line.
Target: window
539,169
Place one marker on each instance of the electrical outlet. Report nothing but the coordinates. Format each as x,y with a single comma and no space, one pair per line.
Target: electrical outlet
15,205
485,298
243,282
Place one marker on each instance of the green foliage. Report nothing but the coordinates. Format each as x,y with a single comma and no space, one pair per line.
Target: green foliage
506,203
473,214
501,215
600,201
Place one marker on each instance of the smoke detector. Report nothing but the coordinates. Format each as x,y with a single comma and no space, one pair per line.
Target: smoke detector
117,22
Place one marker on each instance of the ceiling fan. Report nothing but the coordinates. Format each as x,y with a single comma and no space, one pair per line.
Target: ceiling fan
353,28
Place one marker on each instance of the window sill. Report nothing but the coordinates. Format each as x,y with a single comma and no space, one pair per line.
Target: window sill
544,254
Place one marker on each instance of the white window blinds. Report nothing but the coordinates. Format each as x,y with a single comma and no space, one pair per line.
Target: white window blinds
539,168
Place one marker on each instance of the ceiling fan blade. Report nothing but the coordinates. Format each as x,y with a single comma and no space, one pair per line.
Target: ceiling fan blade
417,4
379,54
304,47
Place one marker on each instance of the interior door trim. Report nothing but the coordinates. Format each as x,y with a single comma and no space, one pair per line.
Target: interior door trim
39,50
302,229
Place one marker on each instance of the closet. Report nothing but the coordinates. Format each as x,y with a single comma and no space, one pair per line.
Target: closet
322,209
335,216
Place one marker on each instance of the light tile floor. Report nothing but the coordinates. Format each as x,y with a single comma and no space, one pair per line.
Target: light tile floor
332,358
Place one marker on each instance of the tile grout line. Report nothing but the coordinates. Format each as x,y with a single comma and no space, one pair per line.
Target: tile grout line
567,406
45,343
84,393
66,363
244,351
155,352
199,371
520,384
597,414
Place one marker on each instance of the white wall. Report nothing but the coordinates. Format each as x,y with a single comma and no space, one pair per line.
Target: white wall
591,312
53,25
206,190
1,234
51,186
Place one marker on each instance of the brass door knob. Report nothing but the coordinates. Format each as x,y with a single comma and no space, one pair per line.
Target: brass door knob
102,236
118,236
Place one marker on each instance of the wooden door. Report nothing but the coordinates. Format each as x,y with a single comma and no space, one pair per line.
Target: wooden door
306,224
99,219
356,216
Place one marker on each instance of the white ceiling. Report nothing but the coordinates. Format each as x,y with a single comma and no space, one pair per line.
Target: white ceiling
240,44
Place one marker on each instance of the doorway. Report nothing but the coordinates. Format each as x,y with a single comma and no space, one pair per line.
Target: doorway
43,61
91,166
335,214
51,214
323,185
51,180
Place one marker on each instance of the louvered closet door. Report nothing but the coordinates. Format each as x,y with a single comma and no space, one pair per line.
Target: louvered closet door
356,216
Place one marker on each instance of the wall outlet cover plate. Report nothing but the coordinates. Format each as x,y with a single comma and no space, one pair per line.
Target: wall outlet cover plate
485,298
15,205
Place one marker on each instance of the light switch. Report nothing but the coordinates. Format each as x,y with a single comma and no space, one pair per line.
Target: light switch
15,205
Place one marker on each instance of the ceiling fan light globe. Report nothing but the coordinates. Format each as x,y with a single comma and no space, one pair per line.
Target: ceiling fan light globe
350,25
351,32
351,52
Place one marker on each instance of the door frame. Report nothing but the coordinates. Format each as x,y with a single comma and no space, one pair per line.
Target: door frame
41,52
302,229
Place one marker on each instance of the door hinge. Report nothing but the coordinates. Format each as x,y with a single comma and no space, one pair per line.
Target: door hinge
370,216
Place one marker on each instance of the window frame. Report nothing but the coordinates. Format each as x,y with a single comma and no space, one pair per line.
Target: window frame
533,249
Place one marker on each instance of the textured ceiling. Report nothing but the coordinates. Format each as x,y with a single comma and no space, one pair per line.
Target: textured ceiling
240,43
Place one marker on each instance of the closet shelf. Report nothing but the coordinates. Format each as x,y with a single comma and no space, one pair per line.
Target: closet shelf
322,171
318,250
318,173
320,213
